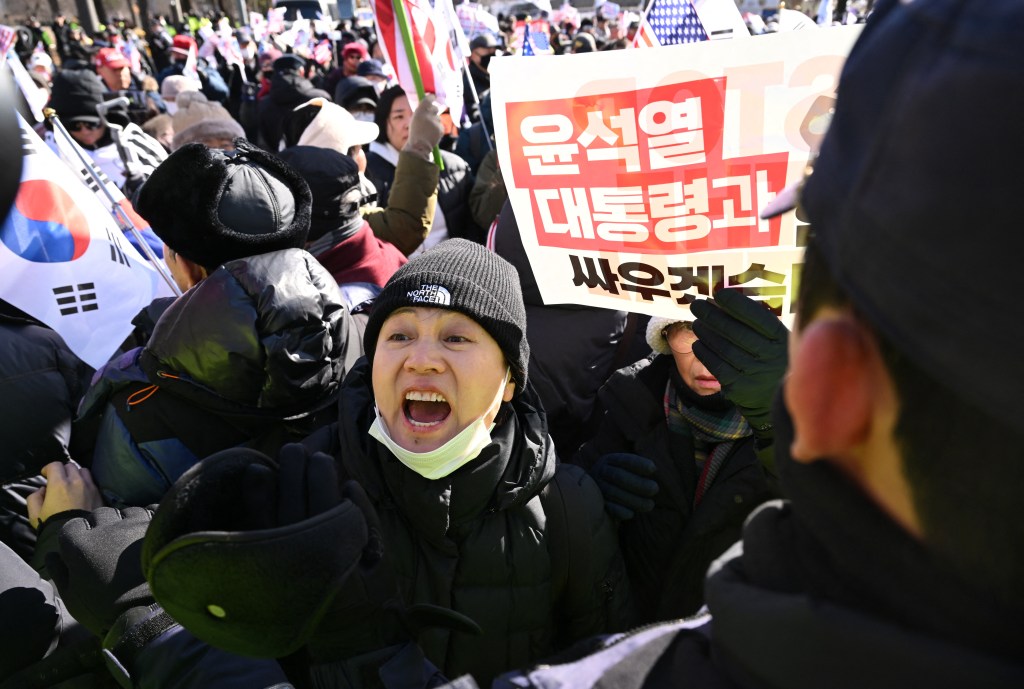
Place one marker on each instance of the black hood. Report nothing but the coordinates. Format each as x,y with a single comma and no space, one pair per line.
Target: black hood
289,89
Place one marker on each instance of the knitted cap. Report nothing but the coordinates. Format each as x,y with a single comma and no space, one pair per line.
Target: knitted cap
462,276
212,207
655,327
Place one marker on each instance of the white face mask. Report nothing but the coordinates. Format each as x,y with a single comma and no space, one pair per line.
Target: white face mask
379,86
363,116
454,454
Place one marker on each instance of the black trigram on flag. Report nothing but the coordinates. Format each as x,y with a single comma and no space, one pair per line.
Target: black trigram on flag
74,298
27,144
116,255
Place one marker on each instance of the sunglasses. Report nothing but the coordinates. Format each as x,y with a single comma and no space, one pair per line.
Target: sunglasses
79,126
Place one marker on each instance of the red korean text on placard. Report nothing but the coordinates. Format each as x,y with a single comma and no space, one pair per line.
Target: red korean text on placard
641,171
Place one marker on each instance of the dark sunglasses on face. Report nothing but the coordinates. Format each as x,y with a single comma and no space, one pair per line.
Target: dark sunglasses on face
79,126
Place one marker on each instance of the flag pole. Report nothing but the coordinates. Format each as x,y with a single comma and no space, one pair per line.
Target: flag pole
414,65
120,216
476,99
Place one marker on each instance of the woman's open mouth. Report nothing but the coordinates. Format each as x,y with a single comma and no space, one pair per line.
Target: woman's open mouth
425,409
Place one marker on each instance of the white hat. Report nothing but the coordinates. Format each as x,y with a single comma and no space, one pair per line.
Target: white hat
334,127
40,59
656,328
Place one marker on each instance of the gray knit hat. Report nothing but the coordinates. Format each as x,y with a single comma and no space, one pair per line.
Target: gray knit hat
461,276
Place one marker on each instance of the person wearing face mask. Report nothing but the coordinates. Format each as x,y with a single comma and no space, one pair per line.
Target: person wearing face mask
443,430
466,515
683,459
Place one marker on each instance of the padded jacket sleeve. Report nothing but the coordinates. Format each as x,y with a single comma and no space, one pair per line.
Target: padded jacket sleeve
411,203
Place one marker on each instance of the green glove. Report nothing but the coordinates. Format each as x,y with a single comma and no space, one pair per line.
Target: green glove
744,345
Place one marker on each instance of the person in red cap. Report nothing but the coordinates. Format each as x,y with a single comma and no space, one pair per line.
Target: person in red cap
212,83
113,68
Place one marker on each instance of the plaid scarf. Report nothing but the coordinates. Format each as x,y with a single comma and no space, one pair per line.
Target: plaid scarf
714,434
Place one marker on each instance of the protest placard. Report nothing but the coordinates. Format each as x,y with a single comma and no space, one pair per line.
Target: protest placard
636,177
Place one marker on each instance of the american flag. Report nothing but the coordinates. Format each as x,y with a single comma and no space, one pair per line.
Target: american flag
669,22
540,36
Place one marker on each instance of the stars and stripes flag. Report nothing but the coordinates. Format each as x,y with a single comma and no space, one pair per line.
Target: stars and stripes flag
434,54
670,22
64,261
535,38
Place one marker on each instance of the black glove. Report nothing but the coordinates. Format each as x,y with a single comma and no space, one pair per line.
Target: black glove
97,567
303,486
744,345
231,554
626,483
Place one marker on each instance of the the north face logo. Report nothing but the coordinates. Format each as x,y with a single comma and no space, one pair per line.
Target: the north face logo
430,294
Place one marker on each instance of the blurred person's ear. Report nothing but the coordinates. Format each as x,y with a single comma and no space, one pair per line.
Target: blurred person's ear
844,407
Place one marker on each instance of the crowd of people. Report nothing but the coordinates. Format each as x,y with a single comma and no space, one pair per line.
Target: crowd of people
360,451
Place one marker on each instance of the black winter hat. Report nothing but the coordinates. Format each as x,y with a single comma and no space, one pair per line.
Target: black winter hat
333,179
461,276
75,95
213,207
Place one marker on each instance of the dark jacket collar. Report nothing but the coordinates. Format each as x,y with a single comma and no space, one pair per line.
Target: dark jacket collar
827,588
508,473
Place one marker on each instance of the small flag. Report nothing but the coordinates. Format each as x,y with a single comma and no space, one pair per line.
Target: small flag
323,53
8,37
191,68
434,53
144,151
670,22
56,259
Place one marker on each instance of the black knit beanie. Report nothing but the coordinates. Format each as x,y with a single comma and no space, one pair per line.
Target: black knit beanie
213,207
461,276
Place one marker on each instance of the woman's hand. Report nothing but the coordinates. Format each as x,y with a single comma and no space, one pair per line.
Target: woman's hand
68,487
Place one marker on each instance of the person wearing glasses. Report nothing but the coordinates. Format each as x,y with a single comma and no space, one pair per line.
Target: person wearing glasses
74,97
682,457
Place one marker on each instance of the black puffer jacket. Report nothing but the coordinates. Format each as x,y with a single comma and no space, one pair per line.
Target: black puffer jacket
669,549
254,354
489,541
573,349
41,383
287,91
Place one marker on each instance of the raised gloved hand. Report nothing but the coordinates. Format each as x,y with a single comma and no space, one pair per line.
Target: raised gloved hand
265,558
744,345
97,567
626,483
425,130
